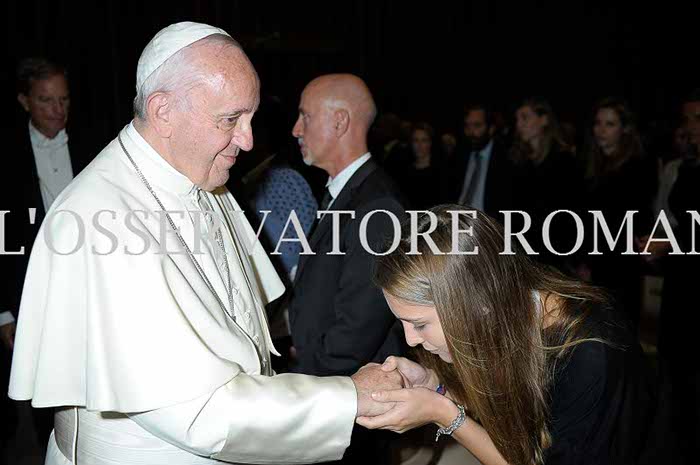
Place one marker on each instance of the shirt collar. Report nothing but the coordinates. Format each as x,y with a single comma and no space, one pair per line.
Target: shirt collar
41,141
336,184
155,169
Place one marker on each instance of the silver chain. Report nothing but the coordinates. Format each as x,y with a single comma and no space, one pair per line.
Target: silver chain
219,240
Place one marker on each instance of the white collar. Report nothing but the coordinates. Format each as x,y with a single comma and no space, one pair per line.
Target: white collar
336,184
155,169
41,141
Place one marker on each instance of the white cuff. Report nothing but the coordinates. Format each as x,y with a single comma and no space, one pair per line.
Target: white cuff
6,318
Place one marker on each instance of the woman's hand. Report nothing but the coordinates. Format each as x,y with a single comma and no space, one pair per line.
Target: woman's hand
413,407
413,374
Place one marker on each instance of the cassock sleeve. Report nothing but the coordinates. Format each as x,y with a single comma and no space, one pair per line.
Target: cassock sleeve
287,418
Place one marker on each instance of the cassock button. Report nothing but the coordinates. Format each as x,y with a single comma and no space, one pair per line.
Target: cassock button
256,339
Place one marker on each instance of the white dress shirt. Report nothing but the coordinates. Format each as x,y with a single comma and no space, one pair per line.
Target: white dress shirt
52,163
336,184
483,158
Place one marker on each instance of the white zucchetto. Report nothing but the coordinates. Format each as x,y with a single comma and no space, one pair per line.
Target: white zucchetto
167,43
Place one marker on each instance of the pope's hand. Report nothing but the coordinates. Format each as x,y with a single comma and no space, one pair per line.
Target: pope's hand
372,378
413,374
7,334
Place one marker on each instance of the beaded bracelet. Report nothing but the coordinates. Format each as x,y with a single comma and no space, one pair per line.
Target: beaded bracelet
456,423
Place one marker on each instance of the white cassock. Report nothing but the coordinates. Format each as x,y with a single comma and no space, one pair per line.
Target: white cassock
137,348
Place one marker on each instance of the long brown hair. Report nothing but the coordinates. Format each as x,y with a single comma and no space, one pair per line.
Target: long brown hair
552,138
630,145
490,312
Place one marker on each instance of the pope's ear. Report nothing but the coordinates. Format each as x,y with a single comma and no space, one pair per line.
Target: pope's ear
24,101
159,113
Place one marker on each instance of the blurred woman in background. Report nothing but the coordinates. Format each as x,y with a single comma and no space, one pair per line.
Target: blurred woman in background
620,179
546,178
419,180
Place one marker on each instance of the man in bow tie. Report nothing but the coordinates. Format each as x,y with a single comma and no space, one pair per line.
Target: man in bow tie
41,162
42,154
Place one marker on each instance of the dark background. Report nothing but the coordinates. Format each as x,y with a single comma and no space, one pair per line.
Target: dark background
421,60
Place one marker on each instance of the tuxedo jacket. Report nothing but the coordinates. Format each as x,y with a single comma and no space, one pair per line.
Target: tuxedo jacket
497,191
20,191
339,319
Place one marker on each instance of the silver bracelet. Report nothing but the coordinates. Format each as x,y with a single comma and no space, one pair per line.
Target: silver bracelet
456,423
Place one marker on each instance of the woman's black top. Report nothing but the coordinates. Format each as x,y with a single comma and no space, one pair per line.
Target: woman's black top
629,188
421,186
556,183
602,398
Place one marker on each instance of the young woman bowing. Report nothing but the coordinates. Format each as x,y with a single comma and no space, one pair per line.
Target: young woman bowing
535,367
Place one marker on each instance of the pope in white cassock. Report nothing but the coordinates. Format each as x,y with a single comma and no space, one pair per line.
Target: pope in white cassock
151,344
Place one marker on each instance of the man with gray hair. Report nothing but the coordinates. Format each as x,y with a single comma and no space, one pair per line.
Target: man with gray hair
151,342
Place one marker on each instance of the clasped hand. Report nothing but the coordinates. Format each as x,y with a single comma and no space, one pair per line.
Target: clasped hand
412,404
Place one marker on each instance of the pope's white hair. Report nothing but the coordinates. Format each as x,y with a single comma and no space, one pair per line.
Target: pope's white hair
176,76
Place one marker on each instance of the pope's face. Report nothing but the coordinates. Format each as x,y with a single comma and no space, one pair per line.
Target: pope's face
313,128
47,104
213,122
421,324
